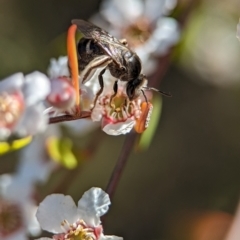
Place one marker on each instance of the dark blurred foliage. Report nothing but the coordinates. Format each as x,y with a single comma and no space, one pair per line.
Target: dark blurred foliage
28,29
188,179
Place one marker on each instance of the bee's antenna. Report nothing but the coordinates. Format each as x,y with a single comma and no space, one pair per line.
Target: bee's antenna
144,95
157,90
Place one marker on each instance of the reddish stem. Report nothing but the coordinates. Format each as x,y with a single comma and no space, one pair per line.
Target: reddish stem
121,163
67,117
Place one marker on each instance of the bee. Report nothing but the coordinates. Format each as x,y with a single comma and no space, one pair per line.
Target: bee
98,49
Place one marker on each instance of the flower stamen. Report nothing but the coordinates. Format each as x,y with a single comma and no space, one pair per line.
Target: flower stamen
11,108
10,218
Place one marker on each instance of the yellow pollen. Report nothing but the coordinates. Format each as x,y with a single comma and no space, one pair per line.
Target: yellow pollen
11,107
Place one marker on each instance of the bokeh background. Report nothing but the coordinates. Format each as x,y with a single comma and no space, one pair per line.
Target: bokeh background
186,185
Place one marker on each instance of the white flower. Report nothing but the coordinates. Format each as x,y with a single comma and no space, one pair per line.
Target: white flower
35,163
59,214
17,209
117,114
144,24
21,104
62,96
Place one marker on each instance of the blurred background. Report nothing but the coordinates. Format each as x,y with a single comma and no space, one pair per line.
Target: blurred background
186,184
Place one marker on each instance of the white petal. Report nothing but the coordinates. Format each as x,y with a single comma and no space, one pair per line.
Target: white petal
53,210
157,8
33,121
111,12
5,182
33,225
128,10
36,87
34,162
18,189
97,113
238,31
110,238
44,238
154,9
165,36
58,67
13,82
118,128
20,235
4,133
94,201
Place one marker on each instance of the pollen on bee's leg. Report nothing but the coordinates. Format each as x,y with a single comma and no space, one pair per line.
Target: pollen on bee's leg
143,121
73,63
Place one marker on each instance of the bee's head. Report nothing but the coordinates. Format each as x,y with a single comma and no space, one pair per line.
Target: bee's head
138,85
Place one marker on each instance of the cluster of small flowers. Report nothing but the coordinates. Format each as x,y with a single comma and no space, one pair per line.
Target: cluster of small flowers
28,102
17,203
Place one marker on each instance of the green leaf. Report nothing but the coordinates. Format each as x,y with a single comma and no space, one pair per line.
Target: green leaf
60,150
6,147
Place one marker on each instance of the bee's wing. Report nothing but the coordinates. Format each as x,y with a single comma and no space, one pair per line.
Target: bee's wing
107,42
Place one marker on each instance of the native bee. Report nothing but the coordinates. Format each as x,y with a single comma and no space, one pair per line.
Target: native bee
98,49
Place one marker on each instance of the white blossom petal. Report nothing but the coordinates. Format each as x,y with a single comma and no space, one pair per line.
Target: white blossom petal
17,191
157,8
119,128
53,210
94,201
166,34
16,186
36,87
128,10
33,225
11,83
110,238
4,133
154,9
35,165
32,121
44,238
19,235
58,67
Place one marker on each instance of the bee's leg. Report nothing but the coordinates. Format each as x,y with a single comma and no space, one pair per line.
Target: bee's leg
124,42
100,79
115,89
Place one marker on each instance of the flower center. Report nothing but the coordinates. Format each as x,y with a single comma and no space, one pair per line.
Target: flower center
120,108
138,32
11,107
10,218
78,231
